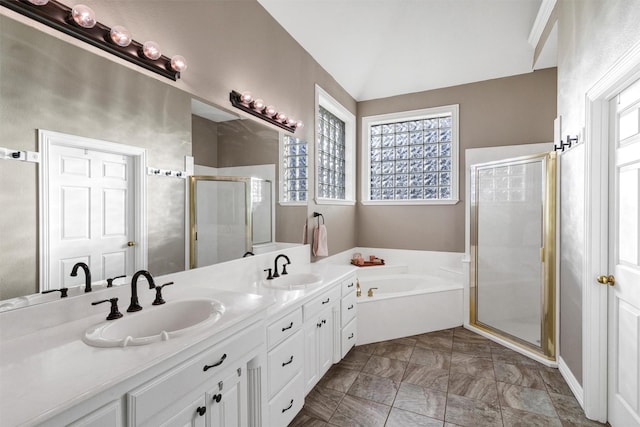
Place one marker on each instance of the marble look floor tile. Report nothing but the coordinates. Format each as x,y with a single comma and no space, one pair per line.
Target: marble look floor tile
385,367
321,402
421,400
354,411
470,412
435,342
394,351
431,358
570,412
410,341
472,387
426,376
508,356
305,420
355,360
516,418
522,375
526,399
477,366
338,378
555,383
366,348
464,334
476,348
373,387
400,418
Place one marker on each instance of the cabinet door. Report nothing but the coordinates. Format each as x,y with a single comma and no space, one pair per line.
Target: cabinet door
228,401
108,416
311,375
191,415
325,341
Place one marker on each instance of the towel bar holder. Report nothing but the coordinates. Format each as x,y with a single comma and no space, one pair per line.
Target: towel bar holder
317,214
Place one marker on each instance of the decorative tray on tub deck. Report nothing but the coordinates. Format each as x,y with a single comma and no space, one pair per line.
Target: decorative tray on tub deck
368,263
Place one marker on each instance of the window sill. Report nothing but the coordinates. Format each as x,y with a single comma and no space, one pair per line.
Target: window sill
292,203
335,202
408,202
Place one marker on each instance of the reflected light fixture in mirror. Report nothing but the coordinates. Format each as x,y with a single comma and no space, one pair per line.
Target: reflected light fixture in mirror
256,107
80,22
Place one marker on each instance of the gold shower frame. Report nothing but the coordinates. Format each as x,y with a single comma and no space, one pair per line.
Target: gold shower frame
547,348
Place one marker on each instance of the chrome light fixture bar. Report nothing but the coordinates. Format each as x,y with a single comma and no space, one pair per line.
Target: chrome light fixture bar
80,23
257,107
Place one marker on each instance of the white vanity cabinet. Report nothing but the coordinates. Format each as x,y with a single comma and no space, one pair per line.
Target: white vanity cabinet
209,389
348,316
285,362
109,415
319,334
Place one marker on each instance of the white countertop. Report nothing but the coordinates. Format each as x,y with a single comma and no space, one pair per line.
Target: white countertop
47,370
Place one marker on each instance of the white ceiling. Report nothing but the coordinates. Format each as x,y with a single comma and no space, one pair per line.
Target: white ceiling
381,48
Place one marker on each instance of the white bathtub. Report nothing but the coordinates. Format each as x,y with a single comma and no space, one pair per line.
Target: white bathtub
407,304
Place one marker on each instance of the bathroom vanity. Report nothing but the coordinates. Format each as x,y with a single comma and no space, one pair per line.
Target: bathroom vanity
251,366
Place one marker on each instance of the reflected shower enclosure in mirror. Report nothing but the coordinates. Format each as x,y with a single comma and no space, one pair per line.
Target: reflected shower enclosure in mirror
85,94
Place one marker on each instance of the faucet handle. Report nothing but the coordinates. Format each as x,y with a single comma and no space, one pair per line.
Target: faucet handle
110,281
269,277
114,313
63,292
284,269
159,300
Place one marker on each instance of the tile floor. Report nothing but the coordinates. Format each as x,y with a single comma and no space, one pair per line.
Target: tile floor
445,378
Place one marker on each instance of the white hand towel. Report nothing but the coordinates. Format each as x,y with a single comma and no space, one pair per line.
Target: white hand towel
320,245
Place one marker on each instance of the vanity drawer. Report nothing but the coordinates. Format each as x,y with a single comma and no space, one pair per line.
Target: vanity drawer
284,327
164,390
349,308
286,404
285,361
349,337
349,285
317,305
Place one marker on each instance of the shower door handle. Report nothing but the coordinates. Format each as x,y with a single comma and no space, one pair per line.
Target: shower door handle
606,280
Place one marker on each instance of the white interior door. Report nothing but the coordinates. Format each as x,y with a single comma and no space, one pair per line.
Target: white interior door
90,212
624,254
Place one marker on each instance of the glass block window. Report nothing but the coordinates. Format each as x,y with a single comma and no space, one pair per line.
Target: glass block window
294,169
412,157
331,156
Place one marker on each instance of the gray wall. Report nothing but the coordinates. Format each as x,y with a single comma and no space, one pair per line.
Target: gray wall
506,111
592,35
204,139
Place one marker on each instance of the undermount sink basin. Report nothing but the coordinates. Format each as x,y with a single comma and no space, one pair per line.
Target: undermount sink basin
155,323
294,281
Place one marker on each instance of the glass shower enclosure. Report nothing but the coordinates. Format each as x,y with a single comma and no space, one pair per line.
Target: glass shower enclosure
513,206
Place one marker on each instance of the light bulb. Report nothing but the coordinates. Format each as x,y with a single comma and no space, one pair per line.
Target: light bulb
246,98
269,110
120,36
83,16
299,124
281,117
257,104
151,50
39,2
291,121
178,63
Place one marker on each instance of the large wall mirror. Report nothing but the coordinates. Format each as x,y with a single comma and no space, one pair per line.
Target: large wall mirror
47,83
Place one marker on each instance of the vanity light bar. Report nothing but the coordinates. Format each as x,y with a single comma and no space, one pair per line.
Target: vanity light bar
259,108
80,23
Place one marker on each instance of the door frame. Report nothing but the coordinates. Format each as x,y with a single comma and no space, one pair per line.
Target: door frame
47,139
594,296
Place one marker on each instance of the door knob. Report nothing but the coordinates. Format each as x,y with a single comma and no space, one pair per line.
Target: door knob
131,243
607,280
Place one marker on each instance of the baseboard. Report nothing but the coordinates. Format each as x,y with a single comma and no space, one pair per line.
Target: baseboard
573,383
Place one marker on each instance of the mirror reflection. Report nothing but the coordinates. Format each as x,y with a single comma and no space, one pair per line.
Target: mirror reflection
48,84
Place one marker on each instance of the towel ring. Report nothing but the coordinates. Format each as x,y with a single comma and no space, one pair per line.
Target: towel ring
317,214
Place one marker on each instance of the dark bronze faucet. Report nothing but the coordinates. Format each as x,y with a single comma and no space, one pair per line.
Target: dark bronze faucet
134,305
87,275
284,267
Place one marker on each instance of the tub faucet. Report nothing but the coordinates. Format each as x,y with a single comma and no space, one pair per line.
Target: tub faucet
370,292
135,306
284,267
87,275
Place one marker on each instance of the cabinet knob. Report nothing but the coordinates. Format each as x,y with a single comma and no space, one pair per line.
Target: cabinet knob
217,398
201,410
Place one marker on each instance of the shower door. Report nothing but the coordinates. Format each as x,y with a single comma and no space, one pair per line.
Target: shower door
513,250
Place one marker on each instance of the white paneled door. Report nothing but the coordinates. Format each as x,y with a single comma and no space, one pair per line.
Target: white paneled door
624,253
91,216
